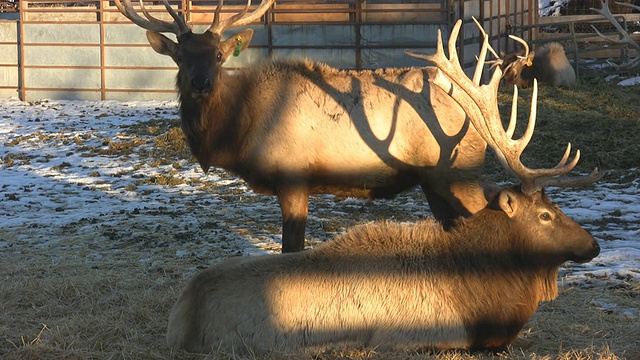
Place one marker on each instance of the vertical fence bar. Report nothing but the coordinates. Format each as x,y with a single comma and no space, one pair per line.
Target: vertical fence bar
21,92
103,80
357,29
269,20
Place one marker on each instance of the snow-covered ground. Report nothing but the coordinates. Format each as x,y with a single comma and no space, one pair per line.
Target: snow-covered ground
87,176
551,7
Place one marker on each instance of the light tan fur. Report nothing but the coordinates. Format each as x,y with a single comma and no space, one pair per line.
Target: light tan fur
553,66
388,286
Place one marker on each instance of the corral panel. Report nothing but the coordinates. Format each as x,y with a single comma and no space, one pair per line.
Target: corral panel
313,35
63,56
126,33
62,33
9,78
8,54
8,31
88,95
62,78
342,58
399,35
132,79
139,96
138,56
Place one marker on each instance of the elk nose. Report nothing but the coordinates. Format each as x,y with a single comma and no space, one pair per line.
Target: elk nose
201,84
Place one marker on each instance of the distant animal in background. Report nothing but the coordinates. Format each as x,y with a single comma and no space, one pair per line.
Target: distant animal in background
548,64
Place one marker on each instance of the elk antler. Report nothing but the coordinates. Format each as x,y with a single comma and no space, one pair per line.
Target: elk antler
178,26
239,19
626,39
480,103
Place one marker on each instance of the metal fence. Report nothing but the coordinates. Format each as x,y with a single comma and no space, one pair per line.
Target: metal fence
86,49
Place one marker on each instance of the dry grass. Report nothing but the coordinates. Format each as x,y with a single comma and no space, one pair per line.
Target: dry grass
118,309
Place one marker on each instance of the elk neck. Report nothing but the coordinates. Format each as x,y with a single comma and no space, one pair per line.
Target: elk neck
212,124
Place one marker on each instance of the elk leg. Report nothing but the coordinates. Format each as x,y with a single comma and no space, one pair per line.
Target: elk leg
440,207
294,203
458,199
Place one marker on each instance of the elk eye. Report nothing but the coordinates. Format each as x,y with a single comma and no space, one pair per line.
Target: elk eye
545,216
219,56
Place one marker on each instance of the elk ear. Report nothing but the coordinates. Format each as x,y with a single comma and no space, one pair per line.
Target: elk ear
508,201
162,44
236,43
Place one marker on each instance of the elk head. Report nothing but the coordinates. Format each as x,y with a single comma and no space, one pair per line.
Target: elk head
480,102
199,56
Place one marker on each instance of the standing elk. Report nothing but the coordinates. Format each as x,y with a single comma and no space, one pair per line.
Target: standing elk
393,286
547,64
295,128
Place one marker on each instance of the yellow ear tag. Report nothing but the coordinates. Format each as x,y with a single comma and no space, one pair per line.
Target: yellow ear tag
236,52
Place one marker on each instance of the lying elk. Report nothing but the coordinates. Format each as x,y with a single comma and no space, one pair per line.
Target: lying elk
403,286
295,128
547,64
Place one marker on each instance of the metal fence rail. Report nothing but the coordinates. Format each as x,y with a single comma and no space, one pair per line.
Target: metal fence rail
85,49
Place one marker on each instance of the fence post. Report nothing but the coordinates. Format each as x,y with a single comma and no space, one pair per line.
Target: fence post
21,92
103,84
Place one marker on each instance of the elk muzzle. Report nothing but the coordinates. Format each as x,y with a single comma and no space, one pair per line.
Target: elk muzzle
587,252
201,86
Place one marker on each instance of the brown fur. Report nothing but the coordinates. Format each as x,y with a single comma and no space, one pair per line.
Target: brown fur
295,128
389,286
548,64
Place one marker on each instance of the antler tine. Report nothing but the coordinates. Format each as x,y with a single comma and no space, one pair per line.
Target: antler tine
178,27
632,6
480,103
477,74
484,34
216,16
178,20
524,43
239,19
626,39
578,181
